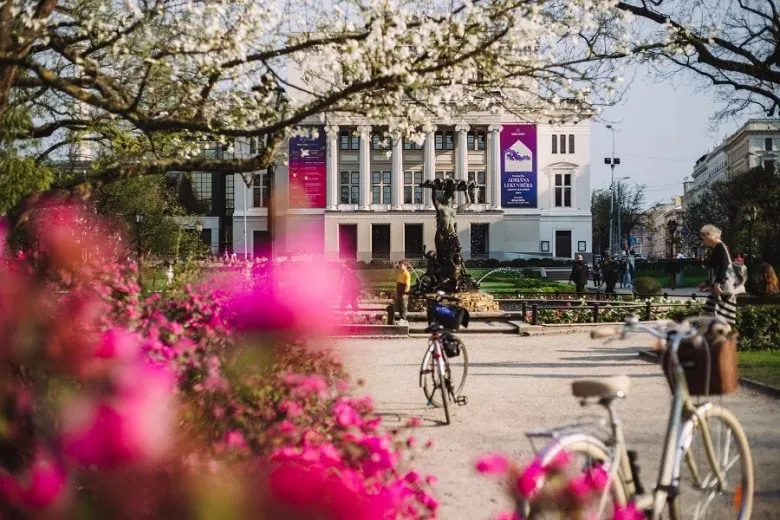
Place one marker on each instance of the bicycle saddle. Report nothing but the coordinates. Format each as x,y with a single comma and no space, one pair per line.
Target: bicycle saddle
607,387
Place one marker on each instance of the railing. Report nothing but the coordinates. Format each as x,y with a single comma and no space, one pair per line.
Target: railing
645,310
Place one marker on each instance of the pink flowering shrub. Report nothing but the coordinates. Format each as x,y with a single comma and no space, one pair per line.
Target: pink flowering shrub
116,405
560,486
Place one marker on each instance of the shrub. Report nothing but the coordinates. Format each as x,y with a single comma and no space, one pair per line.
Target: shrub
646,286
531,273
518,262
757,326
492,263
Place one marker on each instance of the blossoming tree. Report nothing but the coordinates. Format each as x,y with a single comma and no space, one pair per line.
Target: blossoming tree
145,81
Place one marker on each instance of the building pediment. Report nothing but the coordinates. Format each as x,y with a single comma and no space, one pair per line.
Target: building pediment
562,165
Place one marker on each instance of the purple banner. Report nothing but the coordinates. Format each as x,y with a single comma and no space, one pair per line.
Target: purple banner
308,169
518,166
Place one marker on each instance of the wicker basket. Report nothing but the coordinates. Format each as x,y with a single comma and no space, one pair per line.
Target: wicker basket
693,355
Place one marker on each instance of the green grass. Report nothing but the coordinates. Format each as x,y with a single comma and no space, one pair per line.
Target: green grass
761,365
691,279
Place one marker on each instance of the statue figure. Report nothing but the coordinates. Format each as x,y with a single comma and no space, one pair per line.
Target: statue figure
446,269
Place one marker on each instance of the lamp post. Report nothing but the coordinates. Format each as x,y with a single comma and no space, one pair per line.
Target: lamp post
139,220
751,214
612,162
671,227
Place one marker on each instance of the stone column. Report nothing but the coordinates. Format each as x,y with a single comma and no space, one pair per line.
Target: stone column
494,167
462,153
365,167
397,173
429,162
332,166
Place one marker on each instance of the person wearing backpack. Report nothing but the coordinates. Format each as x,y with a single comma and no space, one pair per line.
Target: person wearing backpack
579,274
726,279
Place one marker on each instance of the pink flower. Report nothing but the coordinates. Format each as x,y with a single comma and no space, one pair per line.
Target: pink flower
494,464
131,426
561,460
381,455
579,489
629,512
116,343
235,439
42,486
414,422
530,480
508,515
291,409
345,415
597,477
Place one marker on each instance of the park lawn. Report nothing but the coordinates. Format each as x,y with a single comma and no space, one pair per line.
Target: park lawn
761,365
691,279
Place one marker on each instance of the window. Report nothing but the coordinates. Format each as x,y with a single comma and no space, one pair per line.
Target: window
355,144
260,190
230,194
563,190
444,175
563,143
252,145
449,140
412,189
344,140
439,138
554,143
411,145
475,140
479,240
349,186
201,189
480,192
571,143
768,144
378,142
380,187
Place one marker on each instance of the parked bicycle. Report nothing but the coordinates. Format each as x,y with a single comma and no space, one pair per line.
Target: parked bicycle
445,364
706,468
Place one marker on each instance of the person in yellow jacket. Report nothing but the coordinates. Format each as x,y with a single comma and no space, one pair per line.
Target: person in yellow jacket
403,282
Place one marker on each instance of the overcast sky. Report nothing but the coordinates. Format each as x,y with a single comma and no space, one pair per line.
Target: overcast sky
662,128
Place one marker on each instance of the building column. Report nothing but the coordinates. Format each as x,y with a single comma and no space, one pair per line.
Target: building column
365,167
429,162
494,166
332,167
462,153
397,173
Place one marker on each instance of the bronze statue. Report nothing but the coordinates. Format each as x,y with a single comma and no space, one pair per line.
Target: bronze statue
446,269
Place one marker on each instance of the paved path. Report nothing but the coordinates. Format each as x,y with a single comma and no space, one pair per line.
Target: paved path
516,384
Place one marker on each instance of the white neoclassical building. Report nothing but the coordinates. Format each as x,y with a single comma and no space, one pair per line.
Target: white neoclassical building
350,191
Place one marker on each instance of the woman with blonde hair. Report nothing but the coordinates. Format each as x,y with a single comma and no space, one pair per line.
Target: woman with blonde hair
767,280
718,303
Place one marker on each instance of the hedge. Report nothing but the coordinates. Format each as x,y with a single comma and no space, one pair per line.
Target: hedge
758,327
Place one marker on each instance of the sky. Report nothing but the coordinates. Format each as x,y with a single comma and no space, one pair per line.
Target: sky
662,128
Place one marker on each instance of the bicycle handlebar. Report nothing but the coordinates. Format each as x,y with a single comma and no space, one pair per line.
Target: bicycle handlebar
662,329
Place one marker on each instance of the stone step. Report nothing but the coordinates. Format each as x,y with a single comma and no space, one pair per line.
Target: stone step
486,327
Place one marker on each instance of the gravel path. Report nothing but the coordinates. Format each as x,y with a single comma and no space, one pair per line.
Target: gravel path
521,383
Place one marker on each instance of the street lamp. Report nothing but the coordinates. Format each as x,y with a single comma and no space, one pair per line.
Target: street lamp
620,216
612,162
139,220
671,227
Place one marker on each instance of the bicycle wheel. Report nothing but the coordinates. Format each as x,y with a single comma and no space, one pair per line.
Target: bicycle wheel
445,394
585,452
457,367
700,494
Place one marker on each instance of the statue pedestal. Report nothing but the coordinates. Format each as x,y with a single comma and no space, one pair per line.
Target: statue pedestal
471,301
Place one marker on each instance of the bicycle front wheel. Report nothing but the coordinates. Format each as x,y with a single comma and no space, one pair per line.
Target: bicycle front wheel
586,452
457,367
445,394
701,494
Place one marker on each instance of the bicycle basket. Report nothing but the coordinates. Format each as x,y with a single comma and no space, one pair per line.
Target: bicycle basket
451,345
448,316
694,357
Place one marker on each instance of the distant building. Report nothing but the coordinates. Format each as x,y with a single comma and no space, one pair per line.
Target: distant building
660,244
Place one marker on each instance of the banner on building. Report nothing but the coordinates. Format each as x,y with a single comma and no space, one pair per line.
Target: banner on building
518,166
308,169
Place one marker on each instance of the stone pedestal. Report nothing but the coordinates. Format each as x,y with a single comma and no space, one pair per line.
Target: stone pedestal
472,302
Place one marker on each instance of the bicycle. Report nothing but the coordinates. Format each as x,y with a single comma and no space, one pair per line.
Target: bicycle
445,364
691,429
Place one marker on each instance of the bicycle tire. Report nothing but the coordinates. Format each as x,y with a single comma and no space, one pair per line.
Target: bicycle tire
578,444
679,506
426,374
445,397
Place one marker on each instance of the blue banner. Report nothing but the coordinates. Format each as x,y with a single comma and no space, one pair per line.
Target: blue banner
518,166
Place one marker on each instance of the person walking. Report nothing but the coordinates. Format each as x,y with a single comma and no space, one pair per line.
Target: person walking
597,274
403,282
719,303
611,275
579,274
351,287
672,268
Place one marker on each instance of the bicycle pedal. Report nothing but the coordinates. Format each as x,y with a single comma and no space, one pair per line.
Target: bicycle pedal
461,400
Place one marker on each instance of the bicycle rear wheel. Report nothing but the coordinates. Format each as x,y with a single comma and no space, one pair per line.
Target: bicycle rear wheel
700,495
458,368
586,452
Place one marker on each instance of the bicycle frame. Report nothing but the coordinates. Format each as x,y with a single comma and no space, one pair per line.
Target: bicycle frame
434,349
